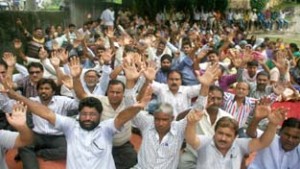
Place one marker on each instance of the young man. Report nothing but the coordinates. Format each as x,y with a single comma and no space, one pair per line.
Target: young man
284,151
224,150
94,151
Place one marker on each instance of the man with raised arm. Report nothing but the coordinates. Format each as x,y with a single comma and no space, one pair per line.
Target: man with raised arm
89,141
9,139
224,150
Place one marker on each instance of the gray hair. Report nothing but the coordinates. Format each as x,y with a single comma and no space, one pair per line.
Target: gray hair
166,108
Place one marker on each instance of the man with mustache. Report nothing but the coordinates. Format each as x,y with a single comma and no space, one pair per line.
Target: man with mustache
89,141
123,151
49,143
224,149
165,62
212,98
284,149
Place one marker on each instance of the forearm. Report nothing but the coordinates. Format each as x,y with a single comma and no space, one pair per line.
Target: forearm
126,115
114,74
191,136
80,93
251,130
268,135
35,107
25,137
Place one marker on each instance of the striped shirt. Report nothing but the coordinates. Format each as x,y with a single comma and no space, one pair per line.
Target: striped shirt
241,113
155,154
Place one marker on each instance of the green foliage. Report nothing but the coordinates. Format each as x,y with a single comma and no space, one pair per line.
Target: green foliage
259,5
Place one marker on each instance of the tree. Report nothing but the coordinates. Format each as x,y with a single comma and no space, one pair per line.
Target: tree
259,5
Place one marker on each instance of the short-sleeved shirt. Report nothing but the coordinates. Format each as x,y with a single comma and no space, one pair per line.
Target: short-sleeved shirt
276,158
88,149
210,157
7,141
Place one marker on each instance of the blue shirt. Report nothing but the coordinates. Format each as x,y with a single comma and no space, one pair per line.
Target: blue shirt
274,157
184,64
161,76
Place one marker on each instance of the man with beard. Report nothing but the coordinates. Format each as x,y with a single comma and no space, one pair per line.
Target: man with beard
262,88
89,141
49,143
123,151
165,62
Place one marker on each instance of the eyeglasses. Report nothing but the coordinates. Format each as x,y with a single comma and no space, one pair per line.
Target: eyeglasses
92,115
34,72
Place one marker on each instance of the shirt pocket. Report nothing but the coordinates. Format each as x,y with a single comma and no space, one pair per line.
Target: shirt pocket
98,147
167,150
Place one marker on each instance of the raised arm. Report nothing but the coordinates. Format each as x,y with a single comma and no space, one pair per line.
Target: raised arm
36,108
18,120
262,110
275,118
190,131
131,111
75,69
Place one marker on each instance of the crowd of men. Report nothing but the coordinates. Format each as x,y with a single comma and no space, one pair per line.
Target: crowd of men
201,97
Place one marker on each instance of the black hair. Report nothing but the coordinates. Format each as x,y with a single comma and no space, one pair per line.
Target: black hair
36,65
91,102
116,82
291,122
174,71
263,73
166,56
47,81
216,88
252,63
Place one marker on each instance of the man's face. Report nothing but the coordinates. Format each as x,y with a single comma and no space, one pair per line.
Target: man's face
35,74
115,94
252,70
262,82
186,49
38,33
290,138
91,78
89,118
174,81
45,92
71,29
213,58
165,65
214,100
224,137
162,122
160,48
242,89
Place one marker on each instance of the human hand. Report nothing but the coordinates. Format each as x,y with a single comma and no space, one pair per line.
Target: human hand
75,67
18,116
9,59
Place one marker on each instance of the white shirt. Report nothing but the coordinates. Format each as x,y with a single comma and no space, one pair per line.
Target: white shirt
88,149
276,158
59,105
181,101
7,141
155,154
209,156
108,17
